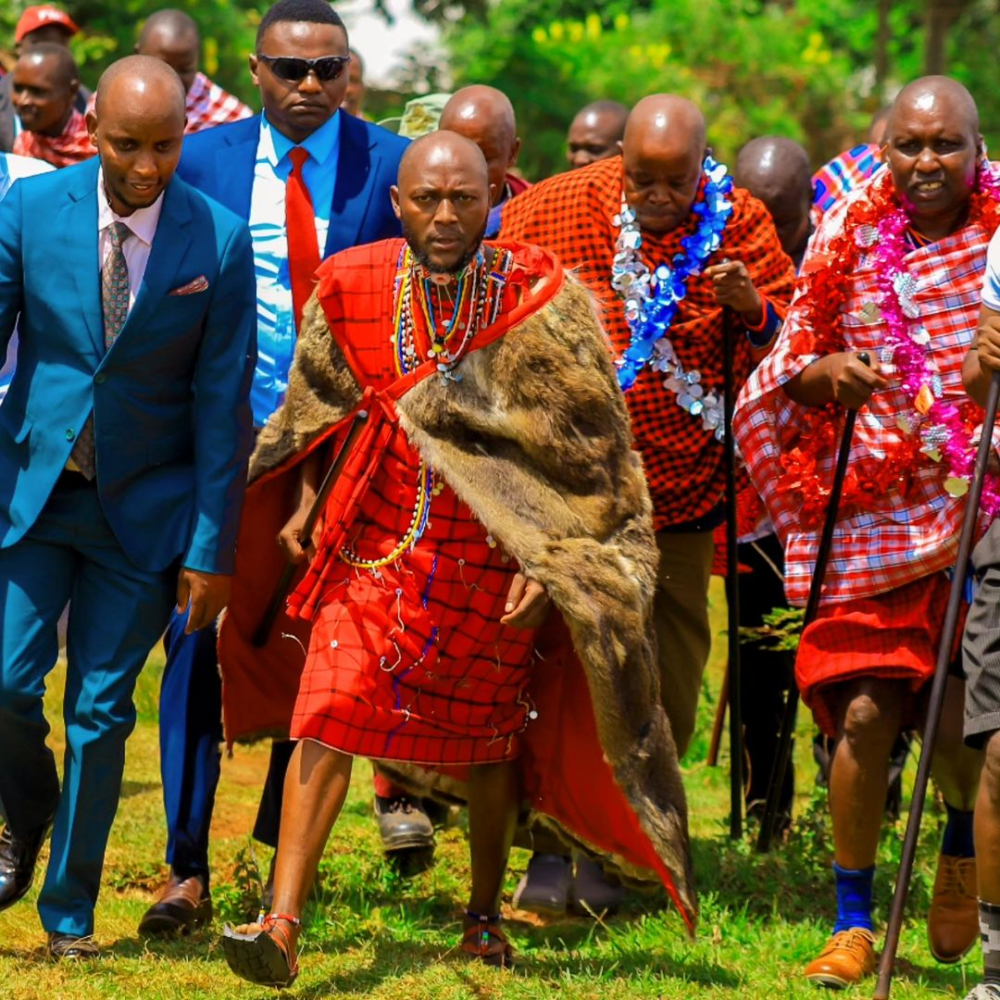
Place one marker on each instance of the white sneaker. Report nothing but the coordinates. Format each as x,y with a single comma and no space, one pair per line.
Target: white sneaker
984,991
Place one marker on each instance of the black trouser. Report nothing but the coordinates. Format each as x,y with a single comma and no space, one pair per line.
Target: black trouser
765,674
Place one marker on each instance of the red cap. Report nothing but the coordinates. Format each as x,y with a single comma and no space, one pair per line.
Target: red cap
39,17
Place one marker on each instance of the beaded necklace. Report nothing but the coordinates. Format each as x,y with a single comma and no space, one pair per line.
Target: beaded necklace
478,298
652,298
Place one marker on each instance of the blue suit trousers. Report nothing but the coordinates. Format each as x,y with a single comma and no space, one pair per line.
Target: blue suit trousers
190,737
117,614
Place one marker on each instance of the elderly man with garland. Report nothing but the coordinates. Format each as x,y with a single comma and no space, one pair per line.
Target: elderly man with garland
895,272
664,241
493,474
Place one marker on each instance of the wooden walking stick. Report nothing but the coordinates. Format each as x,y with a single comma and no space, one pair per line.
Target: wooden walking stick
731,328
720,721
784,751
936,701
280,595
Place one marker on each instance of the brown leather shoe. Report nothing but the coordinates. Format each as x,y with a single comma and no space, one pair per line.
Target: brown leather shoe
183,905
848,957
953,919
72,946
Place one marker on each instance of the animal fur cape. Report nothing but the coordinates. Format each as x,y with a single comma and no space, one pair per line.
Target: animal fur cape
535,439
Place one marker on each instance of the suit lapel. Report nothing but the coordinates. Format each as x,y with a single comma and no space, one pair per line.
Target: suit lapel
356,163
79,241
235,162
170,246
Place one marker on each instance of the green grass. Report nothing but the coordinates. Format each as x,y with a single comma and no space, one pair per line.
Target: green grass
372,934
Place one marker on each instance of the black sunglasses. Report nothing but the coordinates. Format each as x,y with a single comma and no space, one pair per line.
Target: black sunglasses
295,70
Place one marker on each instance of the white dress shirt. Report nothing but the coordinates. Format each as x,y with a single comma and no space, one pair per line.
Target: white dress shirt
142,224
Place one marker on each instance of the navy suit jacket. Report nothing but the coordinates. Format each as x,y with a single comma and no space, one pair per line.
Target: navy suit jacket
220,162
172,420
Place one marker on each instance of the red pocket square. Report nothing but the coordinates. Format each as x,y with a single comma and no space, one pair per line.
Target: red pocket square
200,284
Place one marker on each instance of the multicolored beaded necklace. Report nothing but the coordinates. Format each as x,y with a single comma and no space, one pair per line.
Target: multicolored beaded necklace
478,299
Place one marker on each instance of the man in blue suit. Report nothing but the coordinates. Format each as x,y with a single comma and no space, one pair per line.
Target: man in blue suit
311,180
124,440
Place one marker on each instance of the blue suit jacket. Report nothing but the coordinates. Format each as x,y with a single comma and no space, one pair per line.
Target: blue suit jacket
220,162
171,417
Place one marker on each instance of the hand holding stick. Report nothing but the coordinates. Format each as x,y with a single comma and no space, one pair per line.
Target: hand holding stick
784,751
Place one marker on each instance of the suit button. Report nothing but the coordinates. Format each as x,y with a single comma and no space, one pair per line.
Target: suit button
100,378
70,435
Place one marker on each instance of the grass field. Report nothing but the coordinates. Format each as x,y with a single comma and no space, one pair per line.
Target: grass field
371,934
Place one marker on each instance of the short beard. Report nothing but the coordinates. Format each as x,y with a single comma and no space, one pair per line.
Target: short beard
423,259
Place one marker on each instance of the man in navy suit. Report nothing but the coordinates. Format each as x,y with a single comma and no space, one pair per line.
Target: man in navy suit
311,180
124,440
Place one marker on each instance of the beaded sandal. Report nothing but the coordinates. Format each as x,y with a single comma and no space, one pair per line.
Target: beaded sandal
262,953
484,941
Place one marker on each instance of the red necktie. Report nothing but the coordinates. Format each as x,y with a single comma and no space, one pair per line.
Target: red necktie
300,226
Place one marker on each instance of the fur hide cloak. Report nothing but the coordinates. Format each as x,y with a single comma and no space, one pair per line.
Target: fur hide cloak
535,439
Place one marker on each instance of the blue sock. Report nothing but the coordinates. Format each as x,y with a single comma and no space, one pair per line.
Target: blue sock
854,897
958,840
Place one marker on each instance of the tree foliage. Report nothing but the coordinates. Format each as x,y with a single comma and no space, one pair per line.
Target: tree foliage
110,27
801,68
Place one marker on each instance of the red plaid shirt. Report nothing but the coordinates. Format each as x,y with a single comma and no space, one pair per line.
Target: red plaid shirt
896,539
209,105
570,214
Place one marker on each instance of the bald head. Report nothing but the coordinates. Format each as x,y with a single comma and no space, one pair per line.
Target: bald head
61,66
595,133
143,85
932,147
930,95
486,116
137,126
479,104
665,121
662,155
44,85
776,170
172,37
442,199
441,149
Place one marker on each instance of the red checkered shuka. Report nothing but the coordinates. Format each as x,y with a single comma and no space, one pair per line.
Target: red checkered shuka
896,538
72,145
893,636
408,661
571,214
209,105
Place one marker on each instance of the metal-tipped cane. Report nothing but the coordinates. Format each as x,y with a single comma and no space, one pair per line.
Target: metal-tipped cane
277,602
784,751
731,327
936,701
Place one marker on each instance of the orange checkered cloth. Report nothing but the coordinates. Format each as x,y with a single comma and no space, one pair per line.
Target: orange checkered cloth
571,214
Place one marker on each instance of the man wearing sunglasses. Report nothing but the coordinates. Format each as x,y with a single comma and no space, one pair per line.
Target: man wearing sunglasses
310,180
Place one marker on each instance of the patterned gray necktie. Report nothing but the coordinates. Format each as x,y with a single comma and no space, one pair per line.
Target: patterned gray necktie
114,302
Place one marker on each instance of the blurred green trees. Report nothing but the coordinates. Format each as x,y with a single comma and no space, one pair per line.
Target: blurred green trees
814,70
110,27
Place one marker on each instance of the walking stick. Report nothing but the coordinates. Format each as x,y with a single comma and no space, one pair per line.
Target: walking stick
784,751
936,701
277,602
730,330
720,721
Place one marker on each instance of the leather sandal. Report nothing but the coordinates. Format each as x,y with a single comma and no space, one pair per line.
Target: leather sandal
485,942
263,952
